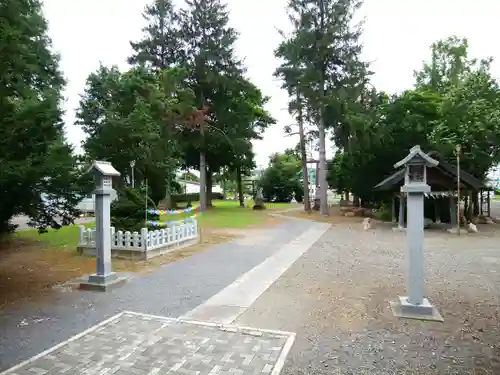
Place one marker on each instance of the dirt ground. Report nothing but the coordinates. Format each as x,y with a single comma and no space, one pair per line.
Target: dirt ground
336,298
335,216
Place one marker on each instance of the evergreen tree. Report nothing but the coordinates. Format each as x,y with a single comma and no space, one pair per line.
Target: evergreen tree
160,46
326,49
37,171
160,49
209,56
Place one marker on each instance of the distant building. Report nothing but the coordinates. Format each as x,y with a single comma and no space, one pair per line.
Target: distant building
87,204
257,174
193,187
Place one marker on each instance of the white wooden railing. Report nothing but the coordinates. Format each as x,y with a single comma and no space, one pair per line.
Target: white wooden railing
145,240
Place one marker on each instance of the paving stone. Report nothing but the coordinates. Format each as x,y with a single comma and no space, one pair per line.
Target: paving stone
137,344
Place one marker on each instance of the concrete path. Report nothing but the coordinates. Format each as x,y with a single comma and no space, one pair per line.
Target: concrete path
226,306
172,290
22,221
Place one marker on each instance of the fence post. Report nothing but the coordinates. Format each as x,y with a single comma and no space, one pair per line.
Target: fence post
81,235
144,239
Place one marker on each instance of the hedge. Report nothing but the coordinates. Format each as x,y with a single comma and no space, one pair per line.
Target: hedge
193,197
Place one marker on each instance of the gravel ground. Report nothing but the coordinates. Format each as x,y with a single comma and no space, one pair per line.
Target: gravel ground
336,297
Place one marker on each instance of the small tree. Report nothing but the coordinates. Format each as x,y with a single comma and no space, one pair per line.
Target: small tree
128,212
281,179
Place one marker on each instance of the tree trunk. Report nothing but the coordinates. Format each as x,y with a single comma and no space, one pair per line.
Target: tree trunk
470,210
168,194
355,200
323,172
323,189
203,182
209,187
239,184
224,188
475,201
303,157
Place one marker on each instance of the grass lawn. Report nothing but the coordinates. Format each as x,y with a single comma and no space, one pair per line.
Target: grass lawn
223,214
31,263
228,214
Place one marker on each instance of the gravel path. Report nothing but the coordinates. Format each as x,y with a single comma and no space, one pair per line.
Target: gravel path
171,290
336,297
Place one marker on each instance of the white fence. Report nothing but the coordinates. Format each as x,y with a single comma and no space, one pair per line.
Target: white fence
145,244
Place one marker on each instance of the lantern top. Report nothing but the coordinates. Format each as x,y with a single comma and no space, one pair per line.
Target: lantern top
103,168
417,156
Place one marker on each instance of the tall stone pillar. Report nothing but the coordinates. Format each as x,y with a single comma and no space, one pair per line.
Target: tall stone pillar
104,277
415,305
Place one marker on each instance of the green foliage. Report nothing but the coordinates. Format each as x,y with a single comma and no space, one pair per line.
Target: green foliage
456,101
188,176
38,174
281,178
132,116
160,46
322,70
197,40
128,211
193,197
383,213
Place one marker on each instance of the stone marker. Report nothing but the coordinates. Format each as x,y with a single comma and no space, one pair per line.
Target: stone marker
259,200
415,306
104,278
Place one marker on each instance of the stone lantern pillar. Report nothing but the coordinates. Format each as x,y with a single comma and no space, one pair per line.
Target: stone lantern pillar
104,277
415,305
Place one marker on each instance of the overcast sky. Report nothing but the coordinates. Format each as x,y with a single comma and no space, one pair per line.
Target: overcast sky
397,37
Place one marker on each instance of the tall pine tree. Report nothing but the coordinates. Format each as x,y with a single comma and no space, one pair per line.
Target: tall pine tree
37,171
160,49
327,51
160,46
213,67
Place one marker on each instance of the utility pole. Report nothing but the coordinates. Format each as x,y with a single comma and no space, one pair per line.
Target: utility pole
132,166
457,149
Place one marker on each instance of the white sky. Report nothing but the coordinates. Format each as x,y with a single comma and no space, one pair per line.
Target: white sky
397,37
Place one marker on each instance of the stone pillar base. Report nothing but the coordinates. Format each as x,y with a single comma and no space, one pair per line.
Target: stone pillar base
102,283
401,308
399,229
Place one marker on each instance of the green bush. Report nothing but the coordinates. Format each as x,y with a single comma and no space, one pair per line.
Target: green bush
193,197
128,211
383,213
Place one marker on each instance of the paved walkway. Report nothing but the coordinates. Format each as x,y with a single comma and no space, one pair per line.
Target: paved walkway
135,344
173,290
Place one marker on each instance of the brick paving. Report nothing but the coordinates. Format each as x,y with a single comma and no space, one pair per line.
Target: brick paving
139,344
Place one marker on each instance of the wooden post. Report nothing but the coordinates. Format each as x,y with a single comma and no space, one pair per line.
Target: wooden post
481,202
437,216
489,204
453,211
457,149
401,219
393,209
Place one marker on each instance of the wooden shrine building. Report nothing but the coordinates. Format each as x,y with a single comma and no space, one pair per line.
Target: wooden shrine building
441,203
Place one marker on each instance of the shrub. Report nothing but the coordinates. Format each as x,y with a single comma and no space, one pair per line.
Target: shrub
193,197
128,211
383,213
